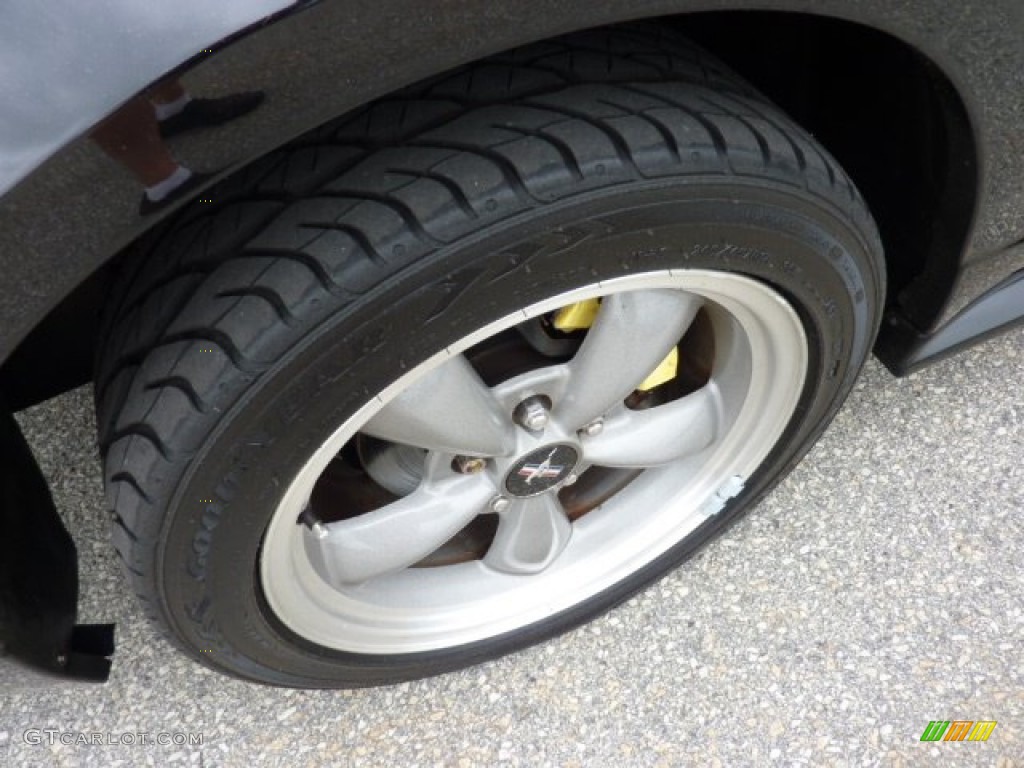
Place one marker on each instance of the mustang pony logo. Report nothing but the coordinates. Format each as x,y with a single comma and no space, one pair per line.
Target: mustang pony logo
544,469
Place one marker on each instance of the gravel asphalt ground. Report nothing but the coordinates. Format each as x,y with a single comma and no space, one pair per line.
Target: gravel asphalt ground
881,586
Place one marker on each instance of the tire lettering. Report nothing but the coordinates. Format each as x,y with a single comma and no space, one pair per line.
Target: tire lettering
454,287
554,243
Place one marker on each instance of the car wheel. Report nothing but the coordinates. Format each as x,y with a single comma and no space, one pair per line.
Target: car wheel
411,395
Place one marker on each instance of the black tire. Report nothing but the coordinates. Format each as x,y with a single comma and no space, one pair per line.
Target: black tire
255,326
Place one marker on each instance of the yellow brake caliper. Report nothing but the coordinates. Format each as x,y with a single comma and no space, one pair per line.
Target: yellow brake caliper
580,316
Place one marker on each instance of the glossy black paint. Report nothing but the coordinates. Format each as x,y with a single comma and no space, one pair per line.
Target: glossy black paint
67,219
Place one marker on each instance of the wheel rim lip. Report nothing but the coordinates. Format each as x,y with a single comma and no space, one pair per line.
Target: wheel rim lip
379,617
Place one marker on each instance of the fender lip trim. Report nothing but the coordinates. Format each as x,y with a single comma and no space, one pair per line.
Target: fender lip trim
903,349
40,644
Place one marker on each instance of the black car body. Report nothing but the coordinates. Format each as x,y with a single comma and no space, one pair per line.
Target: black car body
921,101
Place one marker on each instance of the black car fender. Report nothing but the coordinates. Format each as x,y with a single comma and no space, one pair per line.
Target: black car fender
68,214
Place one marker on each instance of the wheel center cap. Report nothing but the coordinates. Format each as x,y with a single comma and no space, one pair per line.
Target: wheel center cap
541,470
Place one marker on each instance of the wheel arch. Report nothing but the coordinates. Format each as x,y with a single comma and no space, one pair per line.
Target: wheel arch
893,118
925,225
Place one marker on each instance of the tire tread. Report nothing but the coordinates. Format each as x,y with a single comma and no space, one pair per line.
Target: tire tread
232,286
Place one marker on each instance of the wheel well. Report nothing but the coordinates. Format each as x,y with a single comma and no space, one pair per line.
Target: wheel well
893,120
889,115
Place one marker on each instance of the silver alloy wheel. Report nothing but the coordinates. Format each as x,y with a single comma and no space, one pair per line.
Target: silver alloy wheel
352,587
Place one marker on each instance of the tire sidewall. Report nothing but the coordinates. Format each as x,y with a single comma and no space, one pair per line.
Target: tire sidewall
208,557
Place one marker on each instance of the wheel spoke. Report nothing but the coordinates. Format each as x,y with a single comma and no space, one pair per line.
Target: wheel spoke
403,533
531,534
657,435
450,410
633,333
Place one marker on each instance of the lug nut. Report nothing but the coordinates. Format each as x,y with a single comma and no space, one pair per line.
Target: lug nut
593,429
469,465
499,504
532,413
